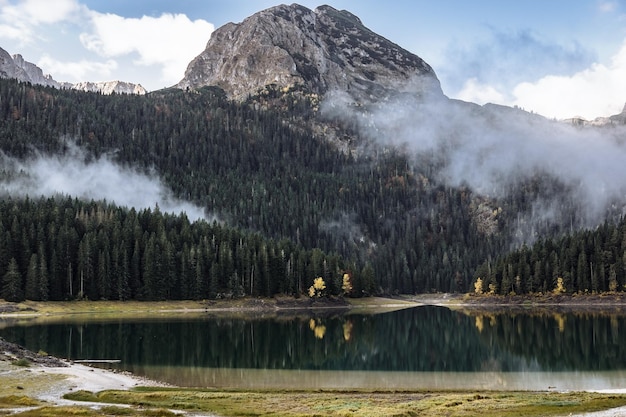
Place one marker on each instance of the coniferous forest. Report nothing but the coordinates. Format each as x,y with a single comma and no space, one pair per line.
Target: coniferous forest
583,262
291,206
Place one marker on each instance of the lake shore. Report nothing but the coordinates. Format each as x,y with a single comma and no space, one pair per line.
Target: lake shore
47,380
285,305
267,306
57,387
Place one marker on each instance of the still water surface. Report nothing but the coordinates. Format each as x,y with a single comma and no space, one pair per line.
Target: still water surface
417,348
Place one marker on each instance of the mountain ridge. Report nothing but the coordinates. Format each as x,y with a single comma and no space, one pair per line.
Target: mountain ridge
323,50
17,67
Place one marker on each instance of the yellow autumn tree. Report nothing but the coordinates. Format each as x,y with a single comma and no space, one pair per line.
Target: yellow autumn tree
346,287
478,286
318,287
560,287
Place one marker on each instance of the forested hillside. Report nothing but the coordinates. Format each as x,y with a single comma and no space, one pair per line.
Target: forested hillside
257,173
279,191
583,262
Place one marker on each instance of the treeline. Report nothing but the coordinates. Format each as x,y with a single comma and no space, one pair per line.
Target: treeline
63,248
590,261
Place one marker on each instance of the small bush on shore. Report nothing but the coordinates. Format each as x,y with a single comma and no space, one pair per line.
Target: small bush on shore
21,362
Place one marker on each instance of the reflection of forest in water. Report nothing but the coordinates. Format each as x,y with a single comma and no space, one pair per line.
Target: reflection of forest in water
426,339
560,341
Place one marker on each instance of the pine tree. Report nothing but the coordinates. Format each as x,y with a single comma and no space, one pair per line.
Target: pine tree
12,283
31,290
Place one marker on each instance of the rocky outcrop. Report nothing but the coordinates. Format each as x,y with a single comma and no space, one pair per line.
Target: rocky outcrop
16,67
29,72
110,87
614,120
321,50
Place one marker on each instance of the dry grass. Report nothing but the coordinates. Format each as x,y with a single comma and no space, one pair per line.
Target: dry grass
18,381
360,404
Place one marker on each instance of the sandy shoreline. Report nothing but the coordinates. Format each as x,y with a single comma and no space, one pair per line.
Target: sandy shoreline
52,383
93,379
49,383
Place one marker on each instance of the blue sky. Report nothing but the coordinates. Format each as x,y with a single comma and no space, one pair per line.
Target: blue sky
559,58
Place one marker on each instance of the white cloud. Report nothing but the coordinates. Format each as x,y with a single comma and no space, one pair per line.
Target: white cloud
45,11
19,21
101,178
596,91
599,90
477,92
85,45
170,41
506,58
78,70
11,32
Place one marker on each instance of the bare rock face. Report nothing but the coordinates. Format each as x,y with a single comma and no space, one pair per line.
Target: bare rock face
110,87
322,50
27,71
16,67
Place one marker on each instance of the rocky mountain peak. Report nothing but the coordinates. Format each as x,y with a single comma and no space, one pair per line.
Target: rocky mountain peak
322,50
110,87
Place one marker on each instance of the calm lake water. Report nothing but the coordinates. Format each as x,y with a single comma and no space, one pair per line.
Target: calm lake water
417,348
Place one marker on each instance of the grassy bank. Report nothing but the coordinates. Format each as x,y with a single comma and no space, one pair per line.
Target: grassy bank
283,305
167,402
224,308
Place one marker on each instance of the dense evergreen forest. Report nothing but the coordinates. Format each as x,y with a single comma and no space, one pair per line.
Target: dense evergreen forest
58,249
286,195
590,261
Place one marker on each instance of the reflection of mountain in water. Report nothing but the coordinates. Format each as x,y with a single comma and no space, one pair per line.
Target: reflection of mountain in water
425,339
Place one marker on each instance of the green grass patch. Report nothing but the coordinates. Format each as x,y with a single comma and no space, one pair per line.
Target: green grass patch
112,410
81,395
299,404
11,401
60,412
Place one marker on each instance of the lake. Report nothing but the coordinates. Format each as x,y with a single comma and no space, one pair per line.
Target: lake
415,348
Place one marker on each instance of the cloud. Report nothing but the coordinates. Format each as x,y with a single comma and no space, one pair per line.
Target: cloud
20,20
99,179
45,11
112,46
476,92
506,59
493,150
78,70
170,41
599,90
555,81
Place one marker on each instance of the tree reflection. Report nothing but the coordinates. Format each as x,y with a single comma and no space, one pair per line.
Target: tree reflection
425,339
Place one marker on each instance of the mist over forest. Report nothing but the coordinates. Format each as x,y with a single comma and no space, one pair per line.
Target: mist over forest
406,196
74,174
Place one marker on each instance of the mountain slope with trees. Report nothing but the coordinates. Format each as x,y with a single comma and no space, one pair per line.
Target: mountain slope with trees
588,261
259,172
